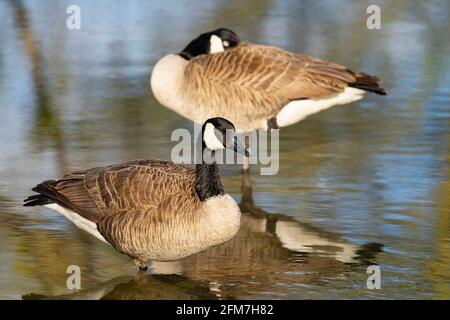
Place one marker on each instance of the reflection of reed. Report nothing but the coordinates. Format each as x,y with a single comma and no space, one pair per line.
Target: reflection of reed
47,123
31,48
438,266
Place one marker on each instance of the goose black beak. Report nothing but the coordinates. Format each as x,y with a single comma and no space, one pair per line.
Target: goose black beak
239,148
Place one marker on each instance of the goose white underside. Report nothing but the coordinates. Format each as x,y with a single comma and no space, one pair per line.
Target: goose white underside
295,238
298,110
82,223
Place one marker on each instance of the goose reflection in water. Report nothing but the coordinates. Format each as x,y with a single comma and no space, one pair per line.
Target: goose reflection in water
143,286
270,253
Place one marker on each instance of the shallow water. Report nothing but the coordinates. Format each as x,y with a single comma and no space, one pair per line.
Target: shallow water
362,184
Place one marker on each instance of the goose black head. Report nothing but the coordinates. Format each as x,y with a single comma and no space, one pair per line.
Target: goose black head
219,133
218,40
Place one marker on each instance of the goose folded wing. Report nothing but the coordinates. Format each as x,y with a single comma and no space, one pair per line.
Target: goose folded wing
267,77
134,230
137,185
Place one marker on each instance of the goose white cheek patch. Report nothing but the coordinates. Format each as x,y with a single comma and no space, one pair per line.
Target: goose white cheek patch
215,44
210,138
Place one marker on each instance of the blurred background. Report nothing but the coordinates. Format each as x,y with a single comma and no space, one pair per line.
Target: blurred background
361,184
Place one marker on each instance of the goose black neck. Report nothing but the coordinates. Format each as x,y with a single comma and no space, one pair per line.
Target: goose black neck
185,55
207,181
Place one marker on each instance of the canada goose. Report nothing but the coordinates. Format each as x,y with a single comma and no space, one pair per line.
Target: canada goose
151,209
254,86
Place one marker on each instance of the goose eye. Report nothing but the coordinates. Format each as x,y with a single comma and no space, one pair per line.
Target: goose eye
226,43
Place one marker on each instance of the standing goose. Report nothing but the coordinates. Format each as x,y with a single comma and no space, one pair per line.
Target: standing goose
151,209
254,86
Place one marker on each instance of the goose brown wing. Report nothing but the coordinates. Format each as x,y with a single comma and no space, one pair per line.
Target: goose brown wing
128,187
136,230
263,78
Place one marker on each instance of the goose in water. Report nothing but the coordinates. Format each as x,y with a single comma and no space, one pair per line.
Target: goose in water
151,209
254,86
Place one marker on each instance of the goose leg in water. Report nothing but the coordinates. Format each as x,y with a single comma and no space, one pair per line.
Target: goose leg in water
246,165
246,188
142,264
